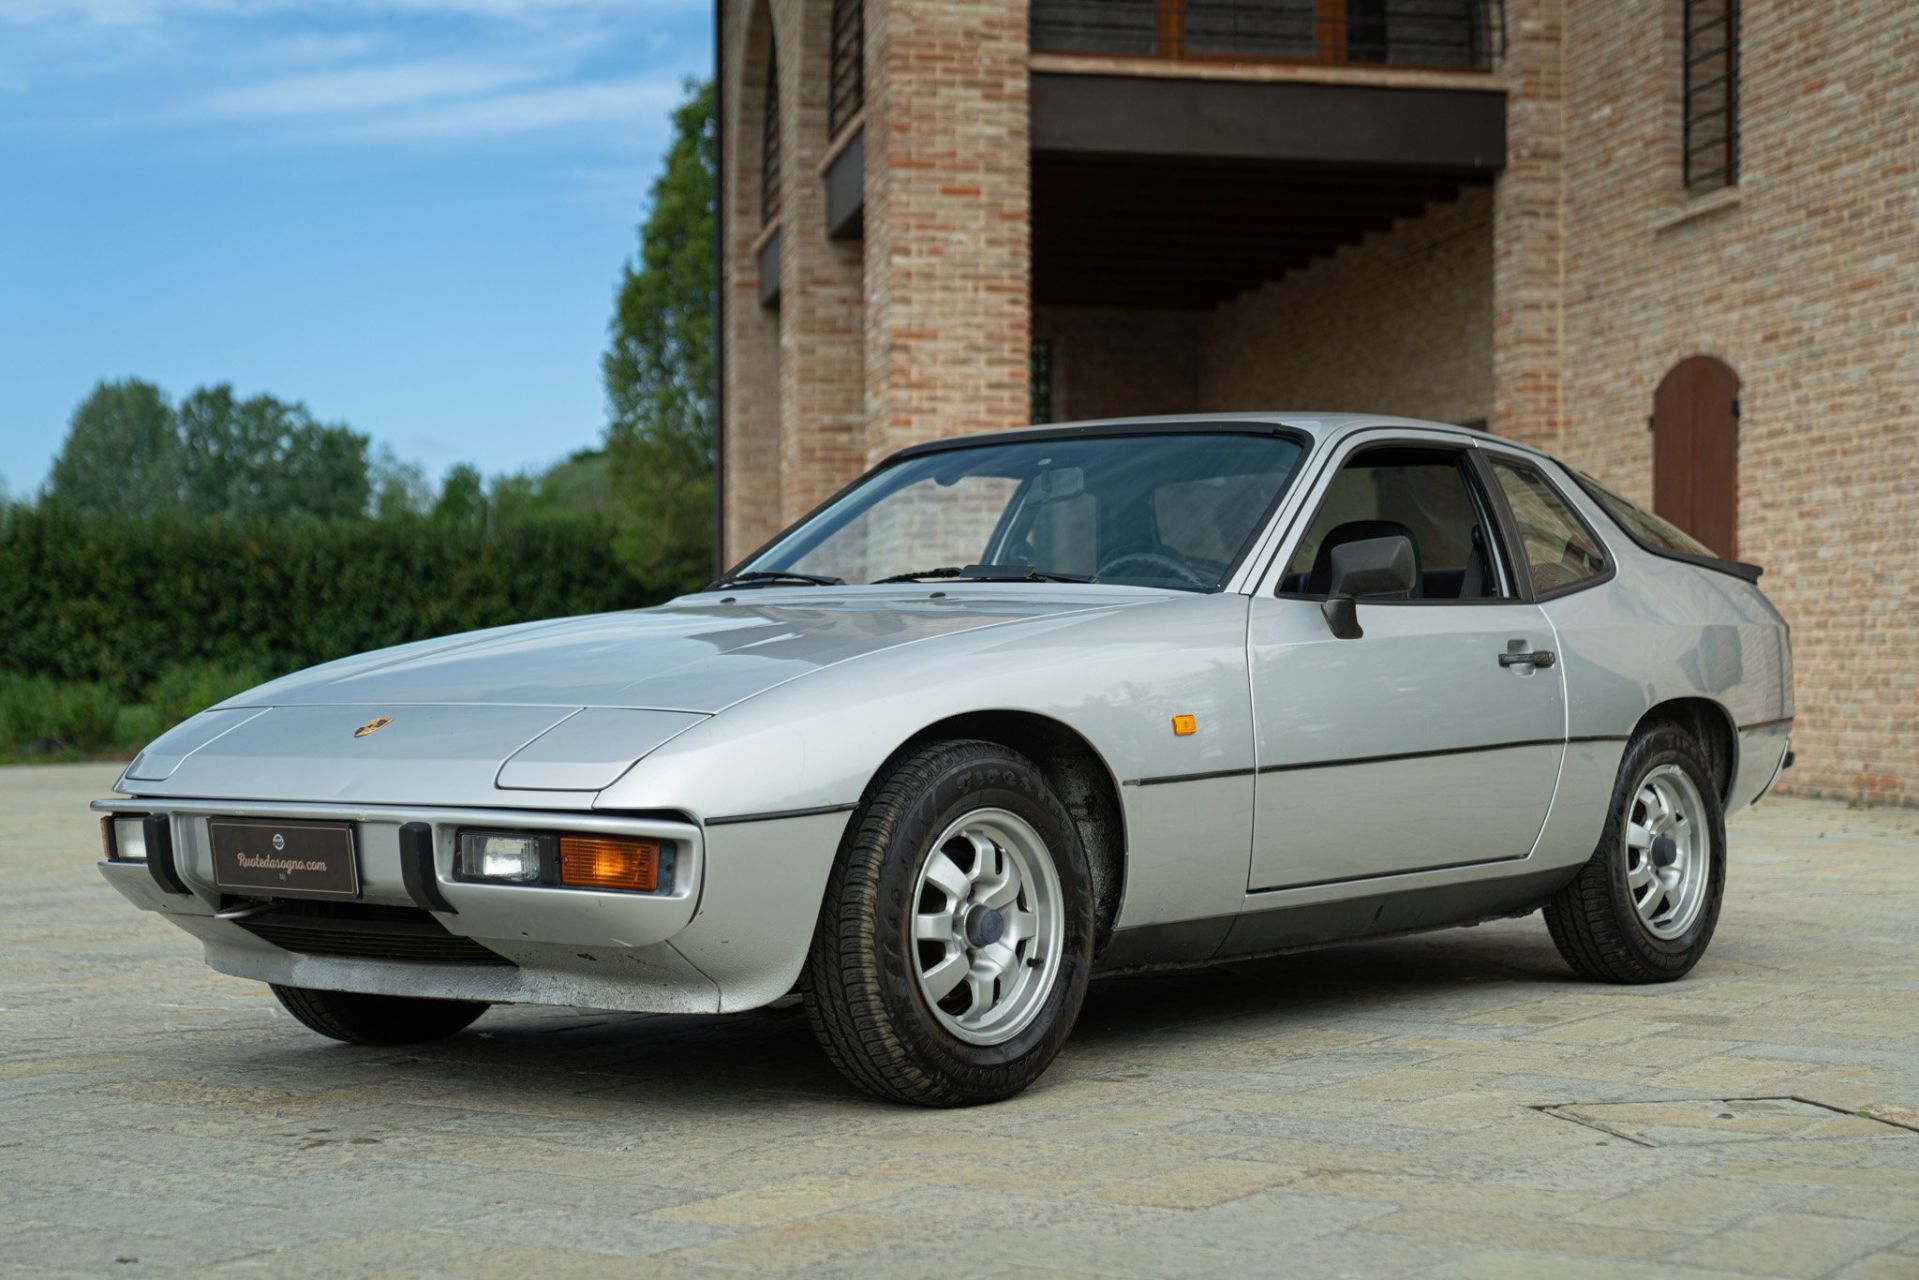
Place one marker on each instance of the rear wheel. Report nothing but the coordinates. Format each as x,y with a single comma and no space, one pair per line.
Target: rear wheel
1644,906
956,935
365,1019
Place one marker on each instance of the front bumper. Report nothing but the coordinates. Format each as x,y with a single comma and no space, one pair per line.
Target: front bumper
540,944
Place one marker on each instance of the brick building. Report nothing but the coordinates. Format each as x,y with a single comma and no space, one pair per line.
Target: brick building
1675,242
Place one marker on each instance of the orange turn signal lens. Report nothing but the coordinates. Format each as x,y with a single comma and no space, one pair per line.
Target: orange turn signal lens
609,862
1185,726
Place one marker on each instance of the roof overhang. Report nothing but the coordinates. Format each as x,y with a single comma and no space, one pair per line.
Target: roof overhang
1157,191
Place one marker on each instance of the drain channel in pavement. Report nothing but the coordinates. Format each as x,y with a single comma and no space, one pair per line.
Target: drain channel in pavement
1699,1121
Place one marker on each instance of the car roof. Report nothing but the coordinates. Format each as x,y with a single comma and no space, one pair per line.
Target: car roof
1321,426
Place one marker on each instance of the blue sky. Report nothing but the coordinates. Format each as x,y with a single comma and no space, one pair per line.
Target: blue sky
410,214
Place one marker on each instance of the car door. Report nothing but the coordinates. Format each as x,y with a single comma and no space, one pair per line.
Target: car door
1434,739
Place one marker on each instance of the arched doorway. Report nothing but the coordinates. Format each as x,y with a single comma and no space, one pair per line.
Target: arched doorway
1695,452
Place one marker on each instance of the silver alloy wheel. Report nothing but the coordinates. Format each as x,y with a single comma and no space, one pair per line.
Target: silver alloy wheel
988,923
1668,851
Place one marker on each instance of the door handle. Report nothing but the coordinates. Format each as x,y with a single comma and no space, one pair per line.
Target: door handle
1537,658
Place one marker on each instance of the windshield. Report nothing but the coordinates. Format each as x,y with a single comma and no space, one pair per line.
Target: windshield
1170,510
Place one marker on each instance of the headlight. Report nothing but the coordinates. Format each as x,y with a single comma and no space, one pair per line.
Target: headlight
511,857
566,860
129,840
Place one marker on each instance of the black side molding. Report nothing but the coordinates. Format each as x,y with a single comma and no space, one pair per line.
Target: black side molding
158,829
1276,930
777,815
416,869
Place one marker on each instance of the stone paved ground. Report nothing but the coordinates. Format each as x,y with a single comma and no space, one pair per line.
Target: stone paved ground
1373,1111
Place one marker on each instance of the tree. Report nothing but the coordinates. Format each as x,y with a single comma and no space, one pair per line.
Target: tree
462,497
399,488
580,483
265,458
659,368
121,455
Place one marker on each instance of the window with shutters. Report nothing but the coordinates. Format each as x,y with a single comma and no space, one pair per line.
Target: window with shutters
847,68
1711,93
770,144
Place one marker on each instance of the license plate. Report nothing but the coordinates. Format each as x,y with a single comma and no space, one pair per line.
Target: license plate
310,859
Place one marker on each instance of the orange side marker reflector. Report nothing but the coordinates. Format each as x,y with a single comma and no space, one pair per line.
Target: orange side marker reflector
609,862
1185,726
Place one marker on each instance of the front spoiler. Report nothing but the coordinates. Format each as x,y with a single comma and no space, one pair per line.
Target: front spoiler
568,946
645,979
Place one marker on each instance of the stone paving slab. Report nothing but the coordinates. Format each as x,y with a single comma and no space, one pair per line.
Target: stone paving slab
1377,1110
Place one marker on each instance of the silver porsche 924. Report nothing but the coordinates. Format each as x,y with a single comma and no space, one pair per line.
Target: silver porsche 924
1007,712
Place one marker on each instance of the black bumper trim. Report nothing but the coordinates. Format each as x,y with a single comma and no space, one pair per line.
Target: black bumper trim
416,869
158,829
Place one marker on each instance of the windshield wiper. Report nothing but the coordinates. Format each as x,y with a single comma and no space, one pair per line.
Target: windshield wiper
989,573
775,578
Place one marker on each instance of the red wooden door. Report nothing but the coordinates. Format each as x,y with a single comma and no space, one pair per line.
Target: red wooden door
1695,451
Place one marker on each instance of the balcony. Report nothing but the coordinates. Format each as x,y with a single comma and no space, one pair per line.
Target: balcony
1458,35
1187,151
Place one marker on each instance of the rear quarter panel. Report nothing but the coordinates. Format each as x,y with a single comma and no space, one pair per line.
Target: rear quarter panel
1660,630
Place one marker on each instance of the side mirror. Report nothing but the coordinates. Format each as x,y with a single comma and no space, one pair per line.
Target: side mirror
1376,568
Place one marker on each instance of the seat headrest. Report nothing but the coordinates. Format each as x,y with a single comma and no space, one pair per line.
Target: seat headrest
1321,581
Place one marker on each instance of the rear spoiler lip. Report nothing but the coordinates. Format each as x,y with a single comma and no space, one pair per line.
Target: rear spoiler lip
1737,568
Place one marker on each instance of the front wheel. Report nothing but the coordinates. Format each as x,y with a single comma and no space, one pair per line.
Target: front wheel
1644,906
366,1019
956,936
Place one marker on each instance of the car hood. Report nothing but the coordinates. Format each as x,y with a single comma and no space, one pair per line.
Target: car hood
696,654
554,709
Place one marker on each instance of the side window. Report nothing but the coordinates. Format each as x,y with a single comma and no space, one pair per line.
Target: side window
1559,550
1427,495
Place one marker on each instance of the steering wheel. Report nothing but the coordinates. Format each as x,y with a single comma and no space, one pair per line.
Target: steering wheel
1171,566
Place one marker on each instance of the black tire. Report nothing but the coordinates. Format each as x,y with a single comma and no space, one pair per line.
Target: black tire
1593,920
861,984
365,1019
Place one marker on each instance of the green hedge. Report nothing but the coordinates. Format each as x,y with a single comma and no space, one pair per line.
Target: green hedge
46,719
120,602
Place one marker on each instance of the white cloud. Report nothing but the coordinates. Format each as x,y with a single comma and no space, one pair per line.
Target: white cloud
113,13
311,48
326,71
537,88
121,13
357,89
605,102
